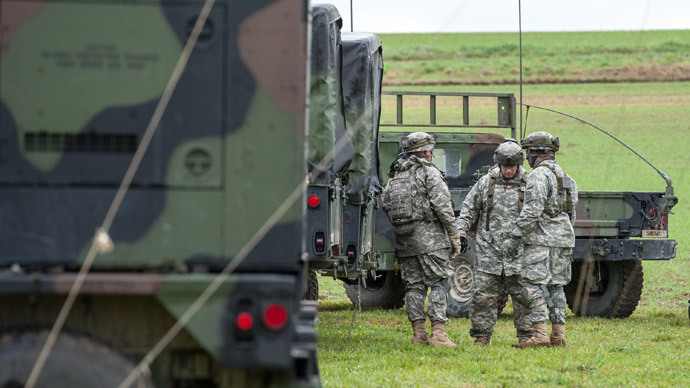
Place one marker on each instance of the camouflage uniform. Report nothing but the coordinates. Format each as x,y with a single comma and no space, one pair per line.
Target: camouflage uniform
549,237
494,271
424,253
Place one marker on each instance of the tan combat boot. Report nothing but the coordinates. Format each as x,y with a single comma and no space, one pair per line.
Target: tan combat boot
420,334
557,337
439,336
539,338
521,340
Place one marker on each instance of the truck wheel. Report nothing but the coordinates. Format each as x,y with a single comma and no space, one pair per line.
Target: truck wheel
612,290
460,293
75,361
461,284
312,291
386,291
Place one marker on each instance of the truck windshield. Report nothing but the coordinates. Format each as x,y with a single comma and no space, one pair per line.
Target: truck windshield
448,161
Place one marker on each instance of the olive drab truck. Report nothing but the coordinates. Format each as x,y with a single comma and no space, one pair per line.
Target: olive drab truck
220,188
615,231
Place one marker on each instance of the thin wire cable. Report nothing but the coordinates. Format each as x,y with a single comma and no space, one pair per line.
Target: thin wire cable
237,260
122,191
213,287
664,176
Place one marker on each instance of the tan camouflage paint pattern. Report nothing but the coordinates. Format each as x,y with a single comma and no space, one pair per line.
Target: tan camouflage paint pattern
270,24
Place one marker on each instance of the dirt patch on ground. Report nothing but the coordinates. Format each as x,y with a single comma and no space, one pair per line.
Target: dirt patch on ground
651,73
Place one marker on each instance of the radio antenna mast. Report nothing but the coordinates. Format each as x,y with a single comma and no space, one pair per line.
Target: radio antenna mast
352,21
520,39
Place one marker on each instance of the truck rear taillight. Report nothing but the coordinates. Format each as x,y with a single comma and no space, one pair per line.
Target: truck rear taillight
275,316
653,213
244,321
313,200
351,254
320,242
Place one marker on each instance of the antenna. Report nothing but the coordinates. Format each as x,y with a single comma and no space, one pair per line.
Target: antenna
520,39
352,21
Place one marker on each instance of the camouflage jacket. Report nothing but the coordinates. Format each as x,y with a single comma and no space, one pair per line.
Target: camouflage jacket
501,219
541,221
430,189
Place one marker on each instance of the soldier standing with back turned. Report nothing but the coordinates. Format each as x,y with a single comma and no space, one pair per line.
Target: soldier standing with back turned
494,204
417,201
545,227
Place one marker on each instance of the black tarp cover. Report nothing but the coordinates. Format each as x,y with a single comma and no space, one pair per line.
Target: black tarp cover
326,120
362,74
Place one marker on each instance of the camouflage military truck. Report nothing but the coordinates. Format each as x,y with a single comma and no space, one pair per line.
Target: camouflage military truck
221,188
607,268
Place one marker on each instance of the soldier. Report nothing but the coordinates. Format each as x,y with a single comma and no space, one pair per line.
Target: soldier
418,204
546,230
494,204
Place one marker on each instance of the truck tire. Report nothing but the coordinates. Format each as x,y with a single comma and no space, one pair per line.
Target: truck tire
312,290
386,291
460,293
75,361
461,284
614,292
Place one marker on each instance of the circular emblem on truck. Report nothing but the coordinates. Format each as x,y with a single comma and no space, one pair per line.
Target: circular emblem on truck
198,161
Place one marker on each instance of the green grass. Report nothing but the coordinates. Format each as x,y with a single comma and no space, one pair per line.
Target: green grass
650,348
461,58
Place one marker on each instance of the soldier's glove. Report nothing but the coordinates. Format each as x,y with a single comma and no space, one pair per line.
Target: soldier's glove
511,246
464,244
455,245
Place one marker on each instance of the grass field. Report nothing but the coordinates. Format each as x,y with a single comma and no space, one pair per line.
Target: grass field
547,57
651,347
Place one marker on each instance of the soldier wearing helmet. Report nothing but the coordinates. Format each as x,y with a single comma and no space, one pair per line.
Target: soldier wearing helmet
545,228
493,204
417,202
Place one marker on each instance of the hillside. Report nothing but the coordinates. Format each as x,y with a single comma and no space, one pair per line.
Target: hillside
548,57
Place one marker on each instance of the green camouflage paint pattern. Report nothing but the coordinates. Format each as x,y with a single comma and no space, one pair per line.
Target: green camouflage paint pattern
247,205
177,292
80,75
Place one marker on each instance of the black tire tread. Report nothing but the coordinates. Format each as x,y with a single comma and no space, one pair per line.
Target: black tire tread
391,294
312,290
633,278
67,365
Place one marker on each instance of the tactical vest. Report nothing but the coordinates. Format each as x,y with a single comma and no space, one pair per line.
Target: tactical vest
404,203
493,181
565,192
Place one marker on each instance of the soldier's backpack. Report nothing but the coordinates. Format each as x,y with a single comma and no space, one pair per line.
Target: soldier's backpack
401,202
565,191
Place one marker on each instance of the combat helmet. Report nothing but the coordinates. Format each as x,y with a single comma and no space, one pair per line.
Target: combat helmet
417,142
509,153
541,141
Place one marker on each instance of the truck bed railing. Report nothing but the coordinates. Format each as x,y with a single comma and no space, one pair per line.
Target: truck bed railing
505,104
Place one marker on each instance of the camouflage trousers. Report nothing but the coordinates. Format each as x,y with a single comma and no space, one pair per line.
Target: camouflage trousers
483,310
429,270
545,270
